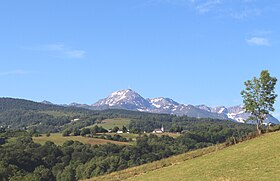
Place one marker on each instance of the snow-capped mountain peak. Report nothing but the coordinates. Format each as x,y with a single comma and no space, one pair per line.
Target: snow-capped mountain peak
236,109
204,107
164,103
118,96
220,110
124,98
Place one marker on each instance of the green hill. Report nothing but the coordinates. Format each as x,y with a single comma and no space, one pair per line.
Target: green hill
58,139
22,114
256,159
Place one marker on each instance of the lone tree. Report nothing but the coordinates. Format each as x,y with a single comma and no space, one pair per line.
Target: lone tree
259,97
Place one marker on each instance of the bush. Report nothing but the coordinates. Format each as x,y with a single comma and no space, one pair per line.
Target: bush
85,131
76,132
66,132
274,128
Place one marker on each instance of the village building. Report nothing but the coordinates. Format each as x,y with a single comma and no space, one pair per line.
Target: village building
161,130
119,131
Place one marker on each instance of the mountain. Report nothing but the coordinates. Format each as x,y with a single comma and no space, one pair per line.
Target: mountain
47,102
204,107
220,110
124,99
193,111
237,113
131,100
74,104
163,105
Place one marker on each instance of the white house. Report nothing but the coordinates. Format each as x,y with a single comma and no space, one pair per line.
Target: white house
161,130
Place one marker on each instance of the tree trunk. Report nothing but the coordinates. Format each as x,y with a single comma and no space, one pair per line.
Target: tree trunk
258,129
234,140
267,128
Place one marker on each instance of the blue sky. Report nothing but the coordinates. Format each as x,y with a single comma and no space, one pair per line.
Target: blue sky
194,51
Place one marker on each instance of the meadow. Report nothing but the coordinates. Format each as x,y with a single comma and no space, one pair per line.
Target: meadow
256,159
58,139
111,123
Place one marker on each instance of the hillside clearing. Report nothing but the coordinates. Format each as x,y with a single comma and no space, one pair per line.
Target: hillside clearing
256,159
58,139
111,123
125,135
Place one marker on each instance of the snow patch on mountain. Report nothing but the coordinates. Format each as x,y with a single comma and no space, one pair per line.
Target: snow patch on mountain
163,103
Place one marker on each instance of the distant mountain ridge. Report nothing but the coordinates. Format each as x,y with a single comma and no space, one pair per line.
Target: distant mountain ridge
131,100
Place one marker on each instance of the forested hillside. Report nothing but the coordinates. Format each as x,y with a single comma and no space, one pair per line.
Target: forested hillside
23,114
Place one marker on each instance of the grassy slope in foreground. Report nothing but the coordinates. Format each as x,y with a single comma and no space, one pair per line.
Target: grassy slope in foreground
257,159
58,139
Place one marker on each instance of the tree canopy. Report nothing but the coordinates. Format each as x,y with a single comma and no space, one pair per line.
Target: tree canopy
259,97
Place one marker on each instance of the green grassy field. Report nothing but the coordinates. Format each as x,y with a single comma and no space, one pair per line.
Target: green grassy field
111,123
256,159
58,139
125,135
134,136
120,122
174,135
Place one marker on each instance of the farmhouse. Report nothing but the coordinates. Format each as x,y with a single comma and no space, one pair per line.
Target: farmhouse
161,130
121,131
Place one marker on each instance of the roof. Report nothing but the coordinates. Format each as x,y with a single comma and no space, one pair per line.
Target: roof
157,130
